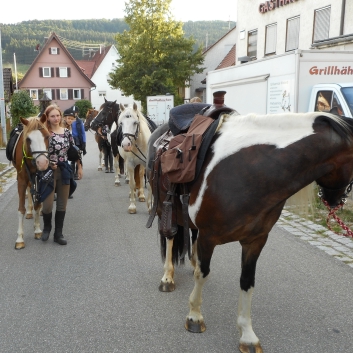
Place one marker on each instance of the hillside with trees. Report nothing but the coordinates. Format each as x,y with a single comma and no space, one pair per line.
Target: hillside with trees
23,38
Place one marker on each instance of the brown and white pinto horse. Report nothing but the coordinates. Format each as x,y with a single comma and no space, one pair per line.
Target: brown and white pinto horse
254,164
30,156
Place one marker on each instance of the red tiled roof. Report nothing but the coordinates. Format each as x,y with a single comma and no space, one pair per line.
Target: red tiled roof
91,64
229,59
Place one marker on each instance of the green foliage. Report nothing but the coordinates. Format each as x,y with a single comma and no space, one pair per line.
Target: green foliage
83,105
22,38
21,106
155,57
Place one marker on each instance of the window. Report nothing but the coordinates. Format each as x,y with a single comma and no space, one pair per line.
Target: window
54,51
63,93
63,72
252,43
76,93
47,92
242,34
292,38
34,94
46,72
321,23
102,93
271,39
323,101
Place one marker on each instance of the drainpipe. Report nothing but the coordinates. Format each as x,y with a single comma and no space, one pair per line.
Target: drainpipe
343,10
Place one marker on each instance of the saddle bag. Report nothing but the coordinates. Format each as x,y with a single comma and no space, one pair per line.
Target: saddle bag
179,161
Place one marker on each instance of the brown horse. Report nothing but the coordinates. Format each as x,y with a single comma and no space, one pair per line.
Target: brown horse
30,156
253,165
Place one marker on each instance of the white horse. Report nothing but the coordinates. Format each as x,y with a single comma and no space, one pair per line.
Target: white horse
133,150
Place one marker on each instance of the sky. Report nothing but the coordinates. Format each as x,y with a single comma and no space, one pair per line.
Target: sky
183,10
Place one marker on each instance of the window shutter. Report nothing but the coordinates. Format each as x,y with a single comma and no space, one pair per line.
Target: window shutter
71,96
271,39
52,72
292,40
58,50
40,72
322,23
252,43
50,51
68,72
57,72
40,93
82,93
58,94
53,94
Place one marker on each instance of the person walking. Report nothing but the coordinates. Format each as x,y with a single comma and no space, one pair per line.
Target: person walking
60,142
76,126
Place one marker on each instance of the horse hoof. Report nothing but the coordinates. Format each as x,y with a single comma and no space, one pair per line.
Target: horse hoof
245,348
195,327
19,246
29,216
100,169
132,211
127,181
142,199
37,235
166,287
117,183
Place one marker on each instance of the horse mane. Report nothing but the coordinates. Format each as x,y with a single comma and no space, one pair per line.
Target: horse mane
33,124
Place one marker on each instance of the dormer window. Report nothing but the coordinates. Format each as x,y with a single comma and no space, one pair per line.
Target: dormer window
54,51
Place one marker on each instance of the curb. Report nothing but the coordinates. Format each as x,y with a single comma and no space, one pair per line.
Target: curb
6,170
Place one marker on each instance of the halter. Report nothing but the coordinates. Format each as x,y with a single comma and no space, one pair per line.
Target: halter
332,211
40,153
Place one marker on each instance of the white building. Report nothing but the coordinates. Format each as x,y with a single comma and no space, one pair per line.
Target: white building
278,26
97,68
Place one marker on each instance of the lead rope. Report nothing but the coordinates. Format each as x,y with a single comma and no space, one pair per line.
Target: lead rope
332,213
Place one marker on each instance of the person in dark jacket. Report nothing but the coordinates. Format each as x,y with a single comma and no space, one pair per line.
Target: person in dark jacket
59,143
76,126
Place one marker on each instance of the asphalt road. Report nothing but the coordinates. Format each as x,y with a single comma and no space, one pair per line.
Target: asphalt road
99,293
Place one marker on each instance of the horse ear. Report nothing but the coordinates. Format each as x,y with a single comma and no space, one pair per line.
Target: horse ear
122,108
24,121
43,118
135,106
105,100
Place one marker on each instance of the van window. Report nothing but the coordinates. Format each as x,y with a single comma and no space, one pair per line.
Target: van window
323,101
336,107
348,95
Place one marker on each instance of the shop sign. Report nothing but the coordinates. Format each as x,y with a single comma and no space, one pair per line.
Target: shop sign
273,5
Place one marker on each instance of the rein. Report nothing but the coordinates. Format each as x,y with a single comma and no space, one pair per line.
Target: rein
332,212
135,136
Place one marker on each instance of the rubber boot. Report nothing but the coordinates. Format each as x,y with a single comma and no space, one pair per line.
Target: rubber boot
47,225
59,223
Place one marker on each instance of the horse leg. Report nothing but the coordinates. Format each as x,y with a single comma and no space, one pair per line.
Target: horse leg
117,175
167,281
127,177
149,198
139,176
132,184
37,230
100,155
21,188
194,320
29,212
249,342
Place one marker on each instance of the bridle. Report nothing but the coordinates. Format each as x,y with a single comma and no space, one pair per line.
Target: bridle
132,138
332,211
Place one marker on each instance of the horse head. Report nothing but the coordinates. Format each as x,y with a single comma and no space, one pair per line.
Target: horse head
129,121
91,114
35,142
108,113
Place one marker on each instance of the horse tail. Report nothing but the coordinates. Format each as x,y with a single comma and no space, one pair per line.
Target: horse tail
178,246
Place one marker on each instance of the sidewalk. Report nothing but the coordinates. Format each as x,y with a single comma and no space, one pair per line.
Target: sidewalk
7,175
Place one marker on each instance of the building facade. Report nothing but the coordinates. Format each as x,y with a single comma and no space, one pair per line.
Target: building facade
277,26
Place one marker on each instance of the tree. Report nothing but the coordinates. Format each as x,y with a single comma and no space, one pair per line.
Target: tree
83,105
21,106
155,57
